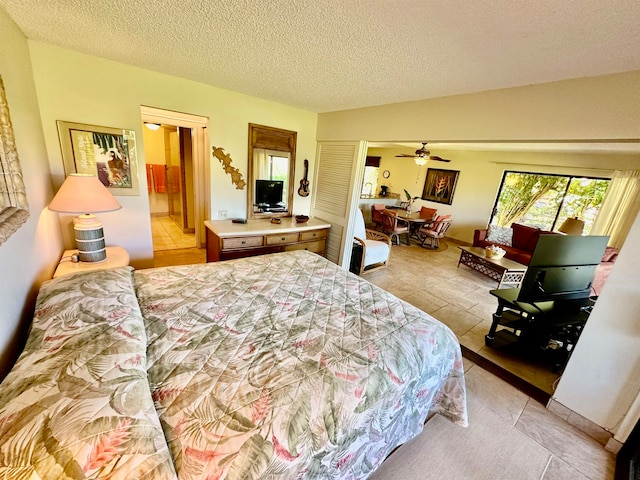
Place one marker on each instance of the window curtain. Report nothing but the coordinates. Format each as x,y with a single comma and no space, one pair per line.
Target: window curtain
261,157
620,207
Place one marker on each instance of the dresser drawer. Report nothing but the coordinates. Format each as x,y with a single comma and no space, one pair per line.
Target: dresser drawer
313,235
315,247
282,238
241,242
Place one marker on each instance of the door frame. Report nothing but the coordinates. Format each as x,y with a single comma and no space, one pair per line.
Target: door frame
201,165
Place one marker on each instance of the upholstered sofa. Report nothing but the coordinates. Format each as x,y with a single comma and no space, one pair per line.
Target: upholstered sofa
518,241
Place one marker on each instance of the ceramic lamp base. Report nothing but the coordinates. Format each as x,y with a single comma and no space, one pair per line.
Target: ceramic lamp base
89,239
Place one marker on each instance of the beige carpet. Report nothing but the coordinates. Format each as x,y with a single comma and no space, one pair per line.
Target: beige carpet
489,449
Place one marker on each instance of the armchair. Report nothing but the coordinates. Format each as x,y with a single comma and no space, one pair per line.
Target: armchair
376,246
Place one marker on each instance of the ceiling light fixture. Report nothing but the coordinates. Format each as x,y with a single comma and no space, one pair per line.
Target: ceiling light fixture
420,161
152,126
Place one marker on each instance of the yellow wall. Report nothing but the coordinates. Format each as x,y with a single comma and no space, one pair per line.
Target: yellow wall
480,175
30,255
80,88
595,108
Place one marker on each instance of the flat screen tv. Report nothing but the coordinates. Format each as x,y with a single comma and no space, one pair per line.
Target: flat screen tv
562,268
269,192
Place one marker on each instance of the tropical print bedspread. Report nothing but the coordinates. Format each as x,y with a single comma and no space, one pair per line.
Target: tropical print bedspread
77,403
285,366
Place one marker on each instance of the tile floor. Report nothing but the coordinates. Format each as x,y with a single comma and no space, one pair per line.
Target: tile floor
168,236
510,436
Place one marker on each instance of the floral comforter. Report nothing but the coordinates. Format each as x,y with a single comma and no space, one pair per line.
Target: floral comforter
281,366
286,366
77,403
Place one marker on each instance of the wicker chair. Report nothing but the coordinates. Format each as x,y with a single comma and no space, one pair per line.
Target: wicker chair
376,246
434,231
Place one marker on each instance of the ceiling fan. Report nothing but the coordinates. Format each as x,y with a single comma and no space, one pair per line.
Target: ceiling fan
422,155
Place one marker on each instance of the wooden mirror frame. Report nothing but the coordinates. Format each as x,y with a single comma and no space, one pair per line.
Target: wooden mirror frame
270,138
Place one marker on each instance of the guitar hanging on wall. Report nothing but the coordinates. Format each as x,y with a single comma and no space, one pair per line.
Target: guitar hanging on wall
303,191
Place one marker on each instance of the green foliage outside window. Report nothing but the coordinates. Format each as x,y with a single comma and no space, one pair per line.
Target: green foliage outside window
545,201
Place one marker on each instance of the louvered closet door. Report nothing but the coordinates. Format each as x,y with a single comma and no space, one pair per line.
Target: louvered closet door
338,176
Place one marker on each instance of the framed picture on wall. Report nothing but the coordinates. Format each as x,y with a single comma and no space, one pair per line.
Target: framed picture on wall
440,185
108,153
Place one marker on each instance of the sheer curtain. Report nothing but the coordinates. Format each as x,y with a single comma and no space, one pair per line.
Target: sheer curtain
620,207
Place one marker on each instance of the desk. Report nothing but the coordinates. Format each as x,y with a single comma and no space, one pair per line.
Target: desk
543,330
227,240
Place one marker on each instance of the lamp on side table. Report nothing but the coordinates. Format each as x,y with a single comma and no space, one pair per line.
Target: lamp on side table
85,194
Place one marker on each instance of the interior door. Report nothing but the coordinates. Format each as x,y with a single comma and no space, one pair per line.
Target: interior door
338,175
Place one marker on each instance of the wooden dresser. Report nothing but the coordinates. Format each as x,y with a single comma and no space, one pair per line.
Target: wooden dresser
227,240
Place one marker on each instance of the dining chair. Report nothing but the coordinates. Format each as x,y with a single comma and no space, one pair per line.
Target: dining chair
392,227
428,213
376,215
376,246
434,231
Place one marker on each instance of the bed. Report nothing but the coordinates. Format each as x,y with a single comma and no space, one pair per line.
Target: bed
279,366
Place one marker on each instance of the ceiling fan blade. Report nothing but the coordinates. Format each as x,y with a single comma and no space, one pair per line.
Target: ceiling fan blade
438,159
404,155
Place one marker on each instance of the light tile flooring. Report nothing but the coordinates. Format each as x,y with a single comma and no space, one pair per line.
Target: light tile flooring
168,236
510,436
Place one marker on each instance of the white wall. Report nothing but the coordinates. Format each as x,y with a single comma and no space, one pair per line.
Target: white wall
30,255
601,380
80,88
605,365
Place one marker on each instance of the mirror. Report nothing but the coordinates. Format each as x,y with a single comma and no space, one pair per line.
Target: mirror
272,160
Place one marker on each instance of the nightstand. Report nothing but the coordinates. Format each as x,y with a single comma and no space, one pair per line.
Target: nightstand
116,257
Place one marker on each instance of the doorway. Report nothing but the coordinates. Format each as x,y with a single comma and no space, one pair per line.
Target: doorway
177,166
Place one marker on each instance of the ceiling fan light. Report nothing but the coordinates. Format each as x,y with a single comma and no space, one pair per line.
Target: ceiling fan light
420,161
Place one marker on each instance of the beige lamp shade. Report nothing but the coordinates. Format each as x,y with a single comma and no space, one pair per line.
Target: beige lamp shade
81,193
572,226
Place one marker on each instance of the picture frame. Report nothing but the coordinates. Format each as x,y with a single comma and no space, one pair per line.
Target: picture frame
106,152
440,185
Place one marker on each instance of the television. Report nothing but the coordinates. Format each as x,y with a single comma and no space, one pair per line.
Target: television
269,193
562,268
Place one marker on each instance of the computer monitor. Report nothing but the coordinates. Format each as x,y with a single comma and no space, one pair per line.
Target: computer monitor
562,268
269,192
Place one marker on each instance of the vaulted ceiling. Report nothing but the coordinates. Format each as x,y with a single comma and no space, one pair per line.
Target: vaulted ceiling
328,55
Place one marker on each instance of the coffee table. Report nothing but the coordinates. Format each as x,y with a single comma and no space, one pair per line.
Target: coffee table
504,271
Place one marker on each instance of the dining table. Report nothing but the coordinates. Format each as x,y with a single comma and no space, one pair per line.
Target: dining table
414,220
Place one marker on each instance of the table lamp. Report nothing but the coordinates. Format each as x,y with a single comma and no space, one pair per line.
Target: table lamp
572,226
85,194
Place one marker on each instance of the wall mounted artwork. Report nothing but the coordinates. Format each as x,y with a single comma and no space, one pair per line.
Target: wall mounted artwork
440,185
108,153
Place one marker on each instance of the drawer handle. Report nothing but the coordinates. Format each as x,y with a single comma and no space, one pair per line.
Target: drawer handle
243,242
282,239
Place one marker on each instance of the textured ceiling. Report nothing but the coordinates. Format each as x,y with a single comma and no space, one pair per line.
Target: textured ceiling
327,55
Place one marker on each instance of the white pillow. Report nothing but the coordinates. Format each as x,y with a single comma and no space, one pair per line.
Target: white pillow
500,235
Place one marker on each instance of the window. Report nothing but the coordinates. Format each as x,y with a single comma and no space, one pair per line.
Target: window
547,200
370,180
